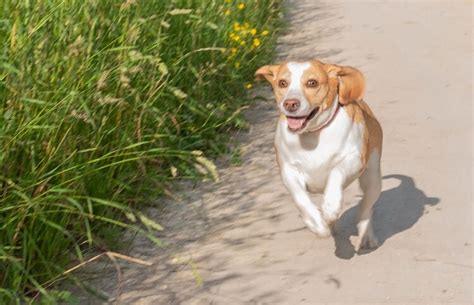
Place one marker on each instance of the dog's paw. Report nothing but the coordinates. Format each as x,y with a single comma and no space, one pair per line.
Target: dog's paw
367,242
330,215
320,228
331,212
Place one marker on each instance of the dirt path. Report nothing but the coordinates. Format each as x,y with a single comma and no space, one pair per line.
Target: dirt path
241,241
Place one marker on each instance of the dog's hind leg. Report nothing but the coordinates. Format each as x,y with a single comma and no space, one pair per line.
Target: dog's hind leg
371,183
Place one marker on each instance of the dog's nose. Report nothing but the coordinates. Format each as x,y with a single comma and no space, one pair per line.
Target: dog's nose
291,105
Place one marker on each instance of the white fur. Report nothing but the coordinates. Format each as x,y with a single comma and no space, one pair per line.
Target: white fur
294,89
326,162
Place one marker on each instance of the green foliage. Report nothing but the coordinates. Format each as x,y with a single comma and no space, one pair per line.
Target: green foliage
99,98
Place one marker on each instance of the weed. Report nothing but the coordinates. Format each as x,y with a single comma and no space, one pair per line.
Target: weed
98,98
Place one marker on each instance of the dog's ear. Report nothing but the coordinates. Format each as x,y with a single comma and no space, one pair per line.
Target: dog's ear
351,83
267,72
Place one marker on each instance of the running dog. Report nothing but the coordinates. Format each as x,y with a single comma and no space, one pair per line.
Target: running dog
326,137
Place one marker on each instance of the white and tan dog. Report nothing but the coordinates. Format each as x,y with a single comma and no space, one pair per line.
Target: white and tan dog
326,137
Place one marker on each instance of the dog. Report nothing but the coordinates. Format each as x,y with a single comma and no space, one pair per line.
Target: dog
326,137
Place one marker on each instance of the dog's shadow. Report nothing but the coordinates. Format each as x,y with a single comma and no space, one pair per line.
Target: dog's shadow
396,210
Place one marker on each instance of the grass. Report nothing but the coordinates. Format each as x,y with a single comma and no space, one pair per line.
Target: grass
103,101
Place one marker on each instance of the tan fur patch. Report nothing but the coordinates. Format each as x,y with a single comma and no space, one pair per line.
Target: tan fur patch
282,74
359,112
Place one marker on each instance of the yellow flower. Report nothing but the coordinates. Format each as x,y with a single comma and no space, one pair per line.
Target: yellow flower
246,25
248,86
241,6
234,36
253,31
242,43
227,13
265,33
237,65
256,42
236,26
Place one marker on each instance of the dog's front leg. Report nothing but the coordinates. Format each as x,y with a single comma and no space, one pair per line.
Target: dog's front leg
332,202
295,183
333,192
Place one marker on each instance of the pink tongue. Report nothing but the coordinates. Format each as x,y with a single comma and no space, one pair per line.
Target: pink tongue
295,123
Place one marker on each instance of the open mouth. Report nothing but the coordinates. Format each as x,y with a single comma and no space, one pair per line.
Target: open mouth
297,123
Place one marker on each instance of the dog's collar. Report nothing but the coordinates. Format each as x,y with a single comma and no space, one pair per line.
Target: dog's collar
329,120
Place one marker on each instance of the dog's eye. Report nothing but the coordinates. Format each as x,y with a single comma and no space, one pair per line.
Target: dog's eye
282,83
312,83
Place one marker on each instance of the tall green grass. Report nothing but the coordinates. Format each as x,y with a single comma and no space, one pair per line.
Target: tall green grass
99,98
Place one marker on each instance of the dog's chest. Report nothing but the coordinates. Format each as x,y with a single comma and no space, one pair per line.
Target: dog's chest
316,155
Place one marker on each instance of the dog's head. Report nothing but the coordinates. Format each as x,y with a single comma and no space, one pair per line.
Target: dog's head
306,91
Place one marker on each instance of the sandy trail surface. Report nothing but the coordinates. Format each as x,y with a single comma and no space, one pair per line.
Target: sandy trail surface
241,241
